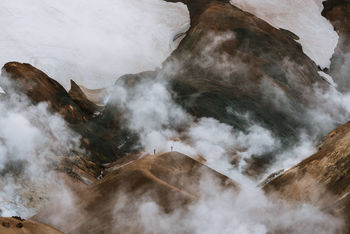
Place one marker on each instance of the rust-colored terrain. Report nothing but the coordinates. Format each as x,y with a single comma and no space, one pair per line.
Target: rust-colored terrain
171,180
20,226
323,179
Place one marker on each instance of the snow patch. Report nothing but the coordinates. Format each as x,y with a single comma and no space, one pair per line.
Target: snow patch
303,18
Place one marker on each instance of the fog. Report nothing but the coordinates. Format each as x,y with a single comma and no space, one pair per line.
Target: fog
250,211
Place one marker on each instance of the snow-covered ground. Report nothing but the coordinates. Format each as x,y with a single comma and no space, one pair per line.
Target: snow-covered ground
90,41
303,18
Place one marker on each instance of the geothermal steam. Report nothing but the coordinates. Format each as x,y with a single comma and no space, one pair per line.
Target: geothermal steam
31,140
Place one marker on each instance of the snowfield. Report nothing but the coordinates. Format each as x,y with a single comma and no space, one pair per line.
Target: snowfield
95,42
90,41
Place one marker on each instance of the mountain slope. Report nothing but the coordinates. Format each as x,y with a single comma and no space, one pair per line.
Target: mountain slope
171,180
104,143
234,67
323,178
18,226
233,63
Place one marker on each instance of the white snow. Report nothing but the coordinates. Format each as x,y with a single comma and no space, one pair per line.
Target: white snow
303,18
90,41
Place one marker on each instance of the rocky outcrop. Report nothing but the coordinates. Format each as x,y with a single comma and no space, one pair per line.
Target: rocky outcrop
110,206
39,87
96,96
196,7
79,97
338,13
323,179
77,170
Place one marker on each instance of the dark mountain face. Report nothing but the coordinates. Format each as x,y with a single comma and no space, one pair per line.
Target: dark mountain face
264,70
338,13
231,65
196,7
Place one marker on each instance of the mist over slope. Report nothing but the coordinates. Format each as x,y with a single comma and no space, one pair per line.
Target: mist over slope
237,99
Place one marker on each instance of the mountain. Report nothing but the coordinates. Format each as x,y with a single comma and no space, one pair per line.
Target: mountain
264,68
171,180
171,128
233,66
74,106
260,64
321,179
